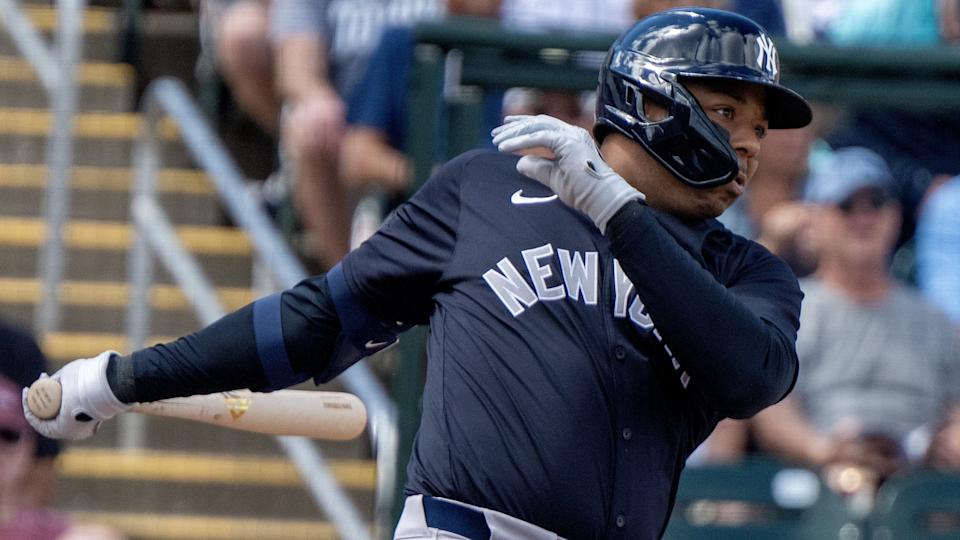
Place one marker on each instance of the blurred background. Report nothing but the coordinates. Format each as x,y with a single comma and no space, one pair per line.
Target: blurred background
165,161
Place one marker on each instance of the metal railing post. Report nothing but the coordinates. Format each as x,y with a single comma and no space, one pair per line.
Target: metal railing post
169,96
59,161
132,430
57,73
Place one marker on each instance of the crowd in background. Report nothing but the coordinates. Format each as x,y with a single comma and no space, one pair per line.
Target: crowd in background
840,200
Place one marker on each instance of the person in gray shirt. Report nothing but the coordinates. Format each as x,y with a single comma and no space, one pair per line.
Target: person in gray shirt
879,367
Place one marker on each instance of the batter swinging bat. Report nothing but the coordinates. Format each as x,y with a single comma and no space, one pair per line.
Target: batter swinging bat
322,415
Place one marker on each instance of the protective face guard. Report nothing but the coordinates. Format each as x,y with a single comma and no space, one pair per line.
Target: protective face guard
648,62
686,142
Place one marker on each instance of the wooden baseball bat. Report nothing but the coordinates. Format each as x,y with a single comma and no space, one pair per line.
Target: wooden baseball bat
321,415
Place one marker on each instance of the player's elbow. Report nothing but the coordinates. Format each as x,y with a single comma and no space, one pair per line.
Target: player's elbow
757,388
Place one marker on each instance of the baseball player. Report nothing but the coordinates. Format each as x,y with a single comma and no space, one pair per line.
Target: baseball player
590,320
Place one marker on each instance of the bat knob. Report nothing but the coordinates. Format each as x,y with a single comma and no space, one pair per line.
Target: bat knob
43,398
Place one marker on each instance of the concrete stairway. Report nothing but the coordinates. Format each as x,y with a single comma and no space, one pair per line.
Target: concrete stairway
188,481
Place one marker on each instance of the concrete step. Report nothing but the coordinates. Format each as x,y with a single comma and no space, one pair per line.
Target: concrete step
103,86
215,468
211,483
93,319
104,235
100,29
102,139
199,499
113,205
104,193
189,182
21,261
181,208
92,306
112,295
154,526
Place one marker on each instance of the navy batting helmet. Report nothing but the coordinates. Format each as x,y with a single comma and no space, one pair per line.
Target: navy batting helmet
650,61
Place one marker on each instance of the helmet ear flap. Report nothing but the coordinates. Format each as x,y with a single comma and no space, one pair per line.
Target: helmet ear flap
692,147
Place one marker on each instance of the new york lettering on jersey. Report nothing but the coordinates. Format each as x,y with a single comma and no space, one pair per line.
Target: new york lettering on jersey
577,280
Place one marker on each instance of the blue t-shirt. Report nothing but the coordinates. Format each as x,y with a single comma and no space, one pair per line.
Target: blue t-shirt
381,100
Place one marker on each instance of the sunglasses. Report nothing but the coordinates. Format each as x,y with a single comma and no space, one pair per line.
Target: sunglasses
874,200
9,436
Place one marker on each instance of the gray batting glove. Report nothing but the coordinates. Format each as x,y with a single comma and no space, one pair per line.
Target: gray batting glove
86,400
577,174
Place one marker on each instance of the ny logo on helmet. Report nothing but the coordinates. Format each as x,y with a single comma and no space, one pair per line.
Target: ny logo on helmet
767,57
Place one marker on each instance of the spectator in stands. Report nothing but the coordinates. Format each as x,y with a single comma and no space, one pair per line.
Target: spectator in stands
372,151
19,520
320,51
22,362
879,365
938,248
239,38
611,16
912,140
571,15
643,8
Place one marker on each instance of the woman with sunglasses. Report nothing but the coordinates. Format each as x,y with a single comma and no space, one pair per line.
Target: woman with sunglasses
879,366
17,441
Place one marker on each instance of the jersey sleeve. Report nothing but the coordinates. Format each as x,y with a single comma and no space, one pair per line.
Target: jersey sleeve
734,341
322,325
397,271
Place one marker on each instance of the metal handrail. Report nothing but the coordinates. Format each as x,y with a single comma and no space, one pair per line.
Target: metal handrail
169,96
56,70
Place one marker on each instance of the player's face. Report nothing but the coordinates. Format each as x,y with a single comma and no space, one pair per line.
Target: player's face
736,106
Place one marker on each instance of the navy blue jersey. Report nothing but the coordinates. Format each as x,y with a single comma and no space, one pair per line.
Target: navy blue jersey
552,393
570,373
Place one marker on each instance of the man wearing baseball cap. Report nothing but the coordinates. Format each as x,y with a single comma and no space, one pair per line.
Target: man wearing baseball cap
878,364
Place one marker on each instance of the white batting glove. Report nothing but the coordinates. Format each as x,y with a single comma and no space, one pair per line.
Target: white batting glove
577,174
86,400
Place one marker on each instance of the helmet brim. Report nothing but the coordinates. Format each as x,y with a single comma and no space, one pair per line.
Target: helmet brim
785,108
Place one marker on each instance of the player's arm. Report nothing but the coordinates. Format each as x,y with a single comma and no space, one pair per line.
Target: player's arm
316,329
736,343
275,342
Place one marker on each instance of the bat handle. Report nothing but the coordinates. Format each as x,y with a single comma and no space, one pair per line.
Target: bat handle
44,398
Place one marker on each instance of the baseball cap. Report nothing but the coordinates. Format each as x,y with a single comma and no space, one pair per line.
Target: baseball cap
11,410
846,171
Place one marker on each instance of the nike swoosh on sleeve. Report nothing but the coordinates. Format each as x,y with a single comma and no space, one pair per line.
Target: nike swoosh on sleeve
519,198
